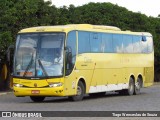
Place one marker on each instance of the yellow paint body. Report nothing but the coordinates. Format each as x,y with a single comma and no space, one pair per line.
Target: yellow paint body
96,69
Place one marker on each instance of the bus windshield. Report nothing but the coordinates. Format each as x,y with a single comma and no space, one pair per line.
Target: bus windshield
39,55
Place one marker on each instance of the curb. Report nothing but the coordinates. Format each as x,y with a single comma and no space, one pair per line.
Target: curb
4,93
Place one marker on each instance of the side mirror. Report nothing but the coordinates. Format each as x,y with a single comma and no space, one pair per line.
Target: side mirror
68,60
11,47
144,39
68,54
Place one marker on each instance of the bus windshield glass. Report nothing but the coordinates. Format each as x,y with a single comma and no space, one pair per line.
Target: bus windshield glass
39,55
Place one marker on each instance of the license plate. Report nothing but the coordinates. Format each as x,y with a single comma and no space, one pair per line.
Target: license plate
35,91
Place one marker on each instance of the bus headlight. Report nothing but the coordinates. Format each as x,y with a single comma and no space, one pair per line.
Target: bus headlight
18,85
55,84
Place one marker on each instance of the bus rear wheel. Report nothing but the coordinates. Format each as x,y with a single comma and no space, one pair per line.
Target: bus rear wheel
131,86
130,89
37,98
80,92
137,87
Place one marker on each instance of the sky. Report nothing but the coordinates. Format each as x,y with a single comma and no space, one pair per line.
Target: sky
148,7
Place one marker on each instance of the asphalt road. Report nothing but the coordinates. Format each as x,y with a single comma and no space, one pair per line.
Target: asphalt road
148,100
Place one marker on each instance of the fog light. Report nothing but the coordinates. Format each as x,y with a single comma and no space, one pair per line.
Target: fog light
55,84
17,85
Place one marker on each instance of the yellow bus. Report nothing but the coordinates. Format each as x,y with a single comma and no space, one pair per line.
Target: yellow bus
74,60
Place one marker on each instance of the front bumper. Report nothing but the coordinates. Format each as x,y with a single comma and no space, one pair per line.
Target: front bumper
22,91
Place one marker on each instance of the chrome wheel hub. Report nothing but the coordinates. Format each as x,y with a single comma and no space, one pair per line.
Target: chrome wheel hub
79,91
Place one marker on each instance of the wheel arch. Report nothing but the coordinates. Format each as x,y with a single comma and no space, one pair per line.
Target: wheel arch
141,79
83,81
133,77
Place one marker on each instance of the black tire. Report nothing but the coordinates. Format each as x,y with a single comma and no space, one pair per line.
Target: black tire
130,90
37,98
80,92
97,94
137,87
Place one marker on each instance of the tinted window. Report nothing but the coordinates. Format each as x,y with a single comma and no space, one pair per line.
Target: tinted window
136,44
113,43
96,42
117,43
83,42
107,43
150,44
127,44
144,46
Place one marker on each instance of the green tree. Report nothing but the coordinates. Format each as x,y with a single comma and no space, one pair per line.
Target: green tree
19,14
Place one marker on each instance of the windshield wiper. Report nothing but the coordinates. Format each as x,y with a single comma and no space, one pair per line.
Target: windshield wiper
28,67
44,71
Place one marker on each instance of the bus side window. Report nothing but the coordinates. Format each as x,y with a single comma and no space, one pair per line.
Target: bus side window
107,43
150,44
83,42
136,44
95,42
127,44
118,43
144,46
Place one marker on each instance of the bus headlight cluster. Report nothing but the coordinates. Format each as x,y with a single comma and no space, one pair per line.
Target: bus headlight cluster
18,85
55,84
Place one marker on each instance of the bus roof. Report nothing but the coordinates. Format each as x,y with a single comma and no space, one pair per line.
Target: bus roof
85,27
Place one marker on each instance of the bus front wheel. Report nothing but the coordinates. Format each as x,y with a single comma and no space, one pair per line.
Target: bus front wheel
80,92
37,98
